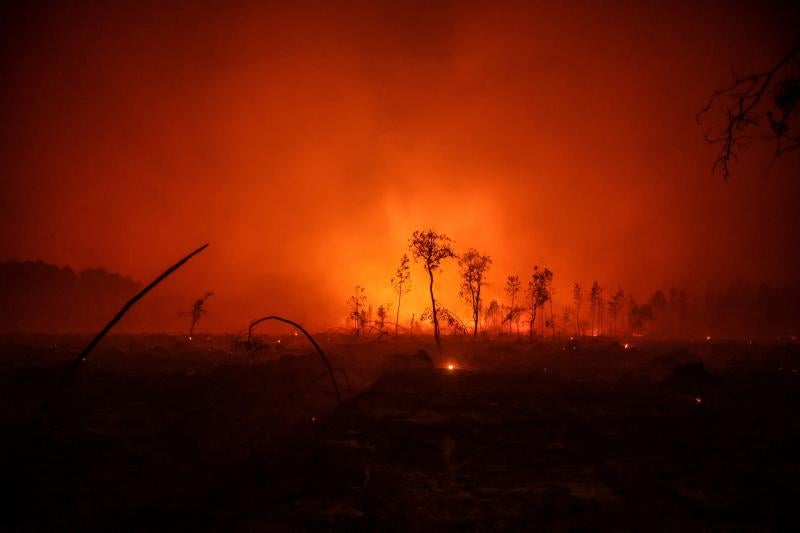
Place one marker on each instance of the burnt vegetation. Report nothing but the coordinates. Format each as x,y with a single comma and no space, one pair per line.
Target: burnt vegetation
504,413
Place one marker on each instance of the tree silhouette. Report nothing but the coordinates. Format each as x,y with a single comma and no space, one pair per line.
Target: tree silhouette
594,302
658,303
493,314
638,316
401,283
381,314
357,304
512,288
198,311
549,292
533,304
473,268
577,298
538,293
431,248
600,314
745,103
614,307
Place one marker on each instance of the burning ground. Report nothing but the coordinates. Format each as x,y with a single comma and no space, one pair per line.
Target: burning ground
559,435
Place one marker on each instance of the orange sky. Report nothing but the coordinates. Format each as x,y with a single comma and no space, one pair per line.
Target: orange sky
306,143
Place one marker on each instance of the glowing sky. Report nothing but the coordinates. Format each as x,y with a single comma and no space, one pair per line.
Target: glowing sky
306,143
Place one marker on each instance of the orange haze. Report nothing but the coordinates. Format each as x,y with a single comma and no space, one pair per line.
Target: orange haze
306,143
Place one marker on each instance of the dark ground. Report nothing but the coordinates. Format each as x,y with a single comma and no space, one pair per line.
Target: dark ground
153,434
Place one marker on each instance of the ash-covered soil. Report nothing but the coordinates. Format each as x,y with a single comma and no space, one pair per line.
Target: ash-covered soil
156,434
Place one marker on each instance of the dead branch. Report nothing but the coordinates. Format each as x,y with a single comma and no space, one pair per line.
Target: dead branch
747,93
254,323
85,353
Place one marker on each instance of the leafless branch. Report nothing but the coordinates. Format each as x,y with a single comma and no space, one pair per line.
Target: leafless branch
327,363
85,353
745,95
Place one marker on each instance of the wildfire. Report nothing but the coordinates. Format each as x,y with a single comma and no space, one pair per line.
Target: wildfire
451,366
626,346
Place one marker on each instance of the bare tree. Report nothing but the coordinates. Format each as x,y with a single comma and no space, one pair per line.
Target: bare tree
746,102
431,248
550,291
533,304
357,304
512,288
198,310
577,298
600,314
614,307
539,294
493,314
401,283
594,302
473,268
639,315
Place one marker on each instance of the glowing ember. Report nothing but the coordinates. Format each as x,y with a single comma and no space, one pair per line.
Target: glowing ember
313,418
708,337
626,346
698,400
451,366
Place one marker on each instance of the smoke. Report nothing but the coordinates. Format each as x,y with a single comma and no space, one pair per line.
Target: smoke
306,143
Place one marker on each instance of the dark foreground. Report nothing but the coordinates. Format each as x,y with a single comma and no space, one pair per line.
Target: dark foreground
156,435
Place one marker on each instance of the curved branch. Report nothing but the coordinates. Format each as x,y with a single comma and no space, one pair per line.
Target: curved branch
85,353
254,323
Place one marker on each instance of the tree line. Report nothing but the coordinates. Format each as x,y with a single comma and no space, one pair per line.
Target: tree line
529,308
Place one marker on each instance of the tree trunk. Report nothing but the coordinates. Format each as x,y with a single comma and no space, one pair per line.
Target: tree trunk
476,304
435,315
510,314
552,318
397,319
530,329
